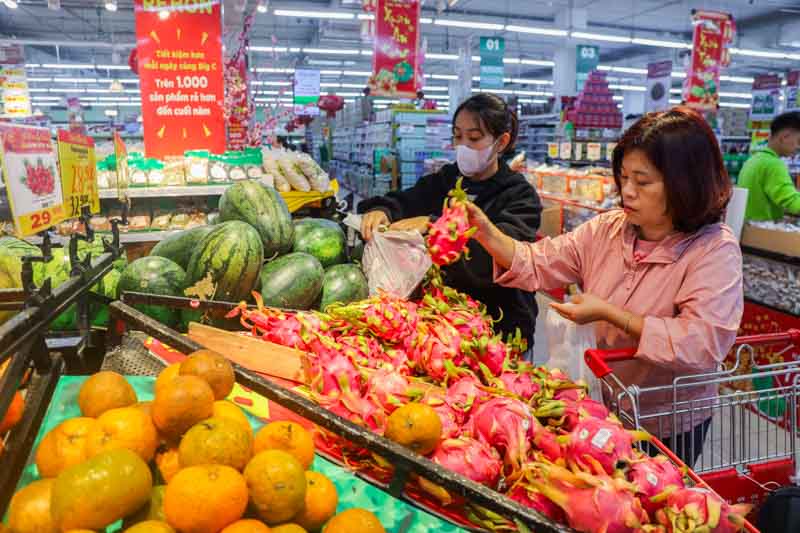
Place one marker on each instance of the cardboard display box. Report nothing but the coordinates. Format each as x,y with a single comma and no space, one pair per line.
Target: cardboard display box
781,242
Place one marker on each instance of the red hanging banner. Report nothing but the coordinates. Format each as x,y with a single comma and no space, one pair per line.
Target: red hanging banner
395,57
713,32
179,49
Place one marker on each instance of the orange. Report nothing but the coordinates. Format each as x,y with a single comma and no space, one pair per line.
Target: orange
182,403
205,498
29,510
354,520
218,441
277,485
150,526
80,531
247,526
288,528
226,409
213,368
124,427
288,436
320,504
166,375
146,407
415,426
65,445
168,462
13,414
153,509
103,391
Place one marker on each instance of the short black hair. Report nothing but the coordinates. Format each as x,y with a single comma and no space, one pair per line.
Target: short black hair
786,121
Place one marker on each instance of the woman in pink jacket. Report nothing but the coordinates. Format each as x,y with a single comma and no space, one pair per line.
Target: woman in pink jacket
662,274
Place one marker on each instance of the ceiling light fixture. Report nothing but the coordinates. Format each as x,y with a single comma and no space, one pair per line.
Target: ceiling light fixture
262,6
737,79
54,4
600,37
638,88
366,16
342,51
661,44
759,53
314,14
537,31
538,62
448,57
469,24
111,5
11,4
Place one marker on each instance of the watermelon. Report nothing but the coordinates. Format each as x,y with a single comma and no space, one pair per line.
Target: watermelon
178,247
154,275
264,209
100,315
324,239
343,284
232,253
292,281
58,270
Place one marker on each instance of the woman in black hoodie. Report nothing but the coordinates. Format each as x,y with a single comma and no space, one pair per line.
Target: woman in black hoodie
484,131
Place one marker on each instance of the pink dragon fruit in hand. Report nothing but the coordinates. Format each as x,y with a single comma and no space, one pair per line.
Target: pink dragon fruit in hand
600,443
698,509
504,424
449,235
652,476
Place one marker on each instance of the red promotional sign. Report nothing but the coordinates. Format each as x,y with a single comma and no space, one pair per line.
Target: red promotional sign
179,49
395,58
712,33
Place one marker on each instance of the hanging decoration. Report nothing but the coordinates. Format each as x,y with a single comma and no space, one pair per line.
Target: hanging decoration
713,32
395,57
331,103
238,108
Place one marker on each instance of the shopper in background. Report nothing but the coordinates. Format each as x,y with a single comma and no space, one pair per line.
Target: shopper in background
663,273
766,177
484,128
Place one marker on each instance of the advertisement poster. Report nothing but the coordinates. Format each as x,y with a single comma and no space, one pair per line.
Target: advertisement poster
713,32
766,97
792,91
181,76
492,72
15,99
306,91
586,60
395,57
30,173
659,81
121,157
78,173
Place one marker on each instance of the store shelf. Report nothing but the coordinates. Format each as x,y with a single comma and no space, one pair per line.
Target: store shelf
165,192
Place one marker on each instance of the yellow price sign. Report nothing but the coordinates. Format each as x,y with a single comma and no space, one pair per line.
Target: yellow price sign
78,173
30,173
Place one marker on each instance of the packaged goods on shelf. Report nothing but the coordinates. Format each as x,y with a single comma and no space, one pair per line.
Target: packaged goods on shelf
772,283
290,170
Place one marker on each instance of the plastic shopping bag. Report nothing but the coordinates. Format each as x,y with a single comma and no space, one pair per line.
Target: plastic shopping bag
396,262
566,344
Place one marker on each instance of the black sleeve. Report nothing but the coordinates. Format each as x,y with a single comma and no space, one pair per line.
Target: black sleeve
519,218
425,198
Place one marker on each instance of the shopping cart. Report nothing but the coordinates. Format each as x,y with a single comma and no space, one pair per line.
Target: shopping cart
751,444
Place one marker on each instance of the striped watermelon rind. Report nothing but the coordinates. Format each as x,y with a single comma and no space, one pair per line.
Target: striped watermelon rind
154,275
324,239
233,254
179,246
292,281
264,209
343,284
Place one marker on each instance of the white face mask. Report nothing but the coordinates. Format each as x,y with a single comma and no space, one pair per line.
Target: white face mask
472,162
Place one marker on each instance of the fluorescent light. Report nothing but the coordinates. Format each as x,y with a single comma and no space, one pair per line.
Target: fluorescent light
733,104
526,81
737,79
442,76
38,90
674,101
676,91
431,88
536,31
640,88
314,14
339,51
113,67
469,24
11,4
273,83
40,79
600,37
366,52
448,57
130,80
32,65
678,74
262,6
331,72
533,93
437,97
275,70
347,94
538,62
425,20
357,73
67,65
352,85
75,80
735,95
329,85
618,98
366,16
626,70
267,48
660,43
111,5
758,53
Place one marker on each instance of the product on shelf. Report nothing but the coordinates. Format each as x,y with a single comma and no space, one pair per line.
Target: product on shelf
772,283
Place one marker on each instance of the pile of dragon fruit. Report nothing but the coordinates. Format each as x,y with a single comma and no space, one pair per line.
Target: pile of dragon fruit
526,431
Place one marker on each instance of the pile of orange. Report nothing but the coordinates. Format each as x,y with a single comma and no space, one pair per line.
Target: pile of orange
209,473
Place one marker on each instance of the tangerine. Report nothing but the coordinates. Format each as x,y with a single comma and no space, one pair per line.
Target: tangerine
166,376
13,414
288,436
354,519
320,503
205,498
219,441
168,462
212,367
65,445
182,403
247,526
288,528
150,526
124,427
277,485
153,509
29,510
227,409
103,391
416,426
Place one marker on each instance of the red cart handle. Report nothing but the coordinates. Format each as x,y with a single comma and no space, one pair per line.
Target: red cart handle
792,335
596,359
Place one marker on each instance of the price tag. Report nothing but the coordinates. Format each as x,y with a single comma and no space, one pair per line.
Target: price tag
610,150
593,151
31,177
552,150
565,150
78,173
577,150
121,155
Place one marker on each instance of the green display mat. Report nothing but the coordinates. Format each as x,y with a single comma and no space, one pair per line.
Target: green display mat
396,515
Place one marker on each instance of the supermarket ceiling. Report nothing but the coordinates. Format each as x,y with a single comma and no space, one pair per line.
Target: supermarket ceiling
629,33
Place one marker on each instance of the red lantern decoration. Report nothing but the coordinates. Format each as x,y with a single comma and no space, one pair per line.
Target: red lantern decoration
330,103
133,61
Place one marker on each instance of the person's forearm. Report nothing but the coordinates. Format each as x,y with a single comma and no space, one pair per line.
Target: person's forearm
628,322
499,245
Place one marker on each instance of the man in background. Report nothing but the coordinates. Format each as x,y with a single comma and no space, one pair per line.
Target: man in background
772,194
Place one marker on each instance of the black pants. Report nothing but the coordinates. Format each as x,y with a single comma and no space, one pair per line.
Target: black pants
688,446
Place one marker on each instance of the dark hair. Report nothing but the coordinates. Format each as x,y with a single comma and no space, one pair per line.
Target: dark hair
495,115
786,121
682,146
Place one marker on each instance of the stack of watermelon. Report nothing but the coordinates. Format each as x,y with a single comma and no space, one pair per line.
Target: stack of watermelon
255,246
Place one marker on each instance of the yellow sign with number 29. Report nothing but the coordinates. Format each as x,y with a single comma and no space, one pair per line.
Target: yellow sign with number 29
78,173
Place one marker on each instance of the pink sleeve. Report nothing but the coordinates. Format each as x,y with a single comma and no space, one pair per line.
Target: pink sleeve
710,303
549,263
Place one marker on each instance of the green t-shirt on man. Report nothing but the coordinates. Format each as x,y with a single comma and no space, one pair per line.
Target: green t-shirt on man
771,193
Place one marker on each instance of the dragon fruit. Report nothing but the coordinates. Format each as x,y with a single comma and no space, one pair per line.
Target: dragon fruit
567,413
449,235
599,444
535,500
387,318
652,476
469,323
390,390
434,343
362,350
545,441
471,458
520,383
593,503
488,355
464,395
451,428
698,509
504,424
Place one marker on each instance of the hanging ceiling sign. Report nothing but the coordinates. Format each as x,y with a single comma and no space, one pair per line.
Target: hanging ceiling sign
395,58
